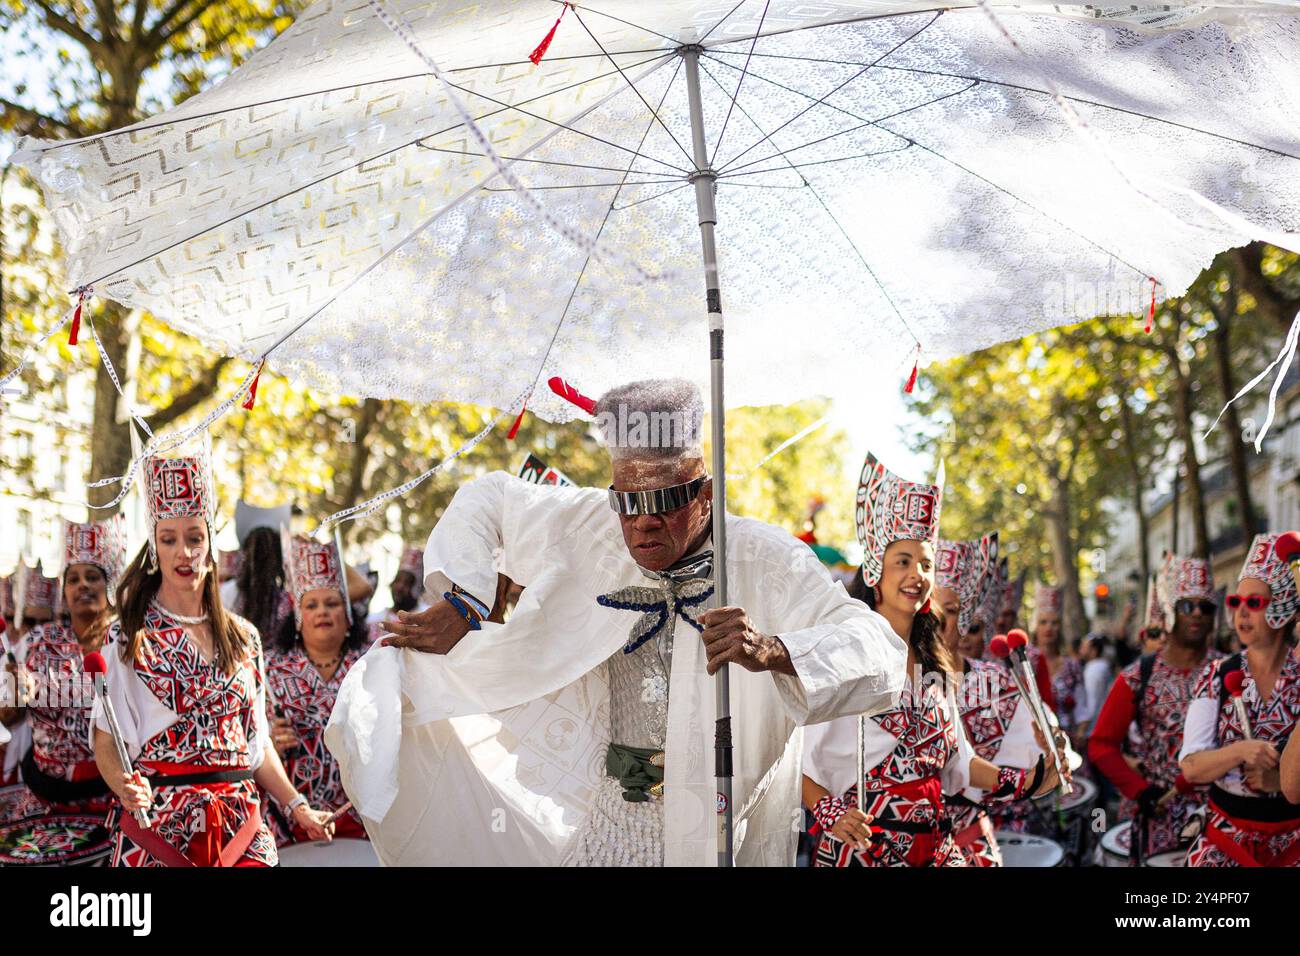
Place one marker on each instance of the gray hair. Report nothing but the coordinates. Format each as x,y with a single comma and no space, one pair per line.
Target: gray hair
658,418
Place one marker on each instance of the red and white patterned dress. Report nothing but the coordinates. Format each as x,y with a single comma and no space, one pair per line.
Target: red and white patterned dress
306,699
60,716
1156,746
1069,692
914,754
183,716
993,714
1264,830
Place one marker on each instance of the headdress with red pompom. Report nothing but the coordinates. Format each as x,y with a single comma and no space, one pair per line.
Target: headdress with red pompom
312,566
889,509
1263,563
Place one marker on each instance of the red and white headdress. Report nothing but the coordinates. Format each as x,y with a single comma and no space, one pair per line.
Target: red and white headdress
413,563
970,568
1047,600
891,509
180,487
1183,577
229,563
34,590
1155,616
312,566
101,543
1263,564
1013,592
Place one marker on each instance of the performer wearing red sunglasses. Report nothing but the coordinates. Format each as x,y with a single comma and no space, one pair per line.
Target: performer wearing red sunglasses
1244,710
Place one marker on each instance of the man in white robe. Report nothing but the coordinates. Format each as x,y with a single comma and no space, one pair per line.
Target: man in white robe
581,731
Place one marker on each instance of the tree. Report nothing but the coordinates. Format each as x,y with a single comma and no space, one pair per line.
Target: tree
1022,454
117,51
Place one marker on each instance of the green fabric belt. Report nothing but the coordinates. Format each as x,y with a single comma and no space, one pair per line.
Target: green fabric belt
636,771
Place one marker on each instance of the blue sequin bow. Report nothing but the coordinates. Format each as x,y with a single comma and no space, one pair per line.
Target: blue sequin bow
683,587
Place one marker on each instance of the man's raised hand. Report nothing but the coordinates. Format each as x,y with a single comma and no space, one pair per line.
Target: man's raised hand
435,630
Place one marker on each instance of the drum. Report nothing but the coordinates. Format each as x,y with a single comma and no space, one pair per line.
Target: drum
1078,803
55,839
341,852
1024,849
1115,846
16,802
1175,858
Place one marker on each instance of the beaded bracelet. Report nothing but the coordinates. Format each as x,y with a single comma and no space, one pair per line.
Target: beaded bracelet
827,811
468,606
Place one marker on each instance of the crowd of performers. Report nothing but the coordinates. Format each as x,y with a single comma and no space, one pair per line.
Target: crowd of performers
218,690
180,709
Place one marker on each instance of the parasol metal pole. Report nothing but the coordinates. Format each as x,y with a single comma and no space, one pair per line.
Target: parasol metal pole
705,182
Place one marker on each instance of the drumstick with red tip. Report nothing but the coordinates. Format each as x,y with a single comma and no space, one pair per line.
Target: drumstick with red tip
1018,640
1233,682
95,665
1005,647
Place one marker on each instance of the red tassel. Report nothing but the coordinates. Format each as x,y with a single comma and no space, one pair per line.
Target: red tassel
911,379
536,55
514,429
570,394
76,320
252,391
1151,315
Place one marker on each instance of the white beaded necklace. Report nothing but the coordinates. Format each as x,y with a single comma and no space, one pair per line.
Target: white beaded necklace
182,618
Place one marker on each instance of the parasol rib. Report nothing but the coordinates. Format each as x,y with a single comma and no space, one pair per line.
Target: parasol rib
654,113
1019,86
143,127
740,82
822,99
913,141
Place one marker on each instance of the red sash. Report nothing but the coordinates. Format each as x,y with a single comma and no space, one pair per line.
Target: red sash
209,849
1257,834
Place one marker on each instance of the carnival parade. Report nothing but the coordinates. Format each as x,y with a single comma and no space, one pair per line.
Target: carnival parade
757,434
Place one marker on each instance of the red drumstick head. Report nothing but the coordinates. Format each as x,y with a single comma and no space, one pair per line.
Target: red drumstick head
998,647
94,663
1287,546
1233,681
2,625
1016,639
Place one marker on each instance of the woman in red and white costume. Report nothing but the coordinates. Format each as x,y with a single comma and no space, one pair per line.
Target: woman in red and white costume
60,768
997,721
915,752
305,665
187,684
1250,821
35,601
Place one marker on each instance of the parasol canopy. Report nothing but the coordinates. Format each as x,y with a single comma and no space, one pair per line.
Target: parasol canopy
894,181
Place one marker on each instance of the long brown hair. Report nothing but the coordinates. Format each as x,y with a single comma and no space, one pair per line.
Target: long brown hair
926,637
140,585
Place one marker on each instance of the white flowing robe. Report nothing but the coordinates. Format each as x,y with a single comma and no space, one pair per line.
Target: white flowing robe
491,754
